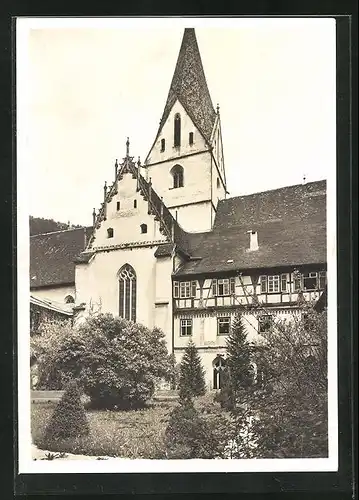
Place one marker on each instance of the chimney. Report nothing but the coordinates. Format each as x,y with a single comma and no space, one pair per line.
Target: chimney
253,241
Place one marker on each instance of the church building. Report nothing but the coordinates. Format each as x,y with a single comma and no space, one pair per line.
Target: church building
168,248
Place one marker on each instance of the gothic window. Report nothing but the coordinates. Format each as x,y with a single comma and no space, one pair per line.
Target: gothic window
223,325
127,292
163,145
185,327
190,138
177,174
143,228
110,232
177,131
134,203
69,299
219,365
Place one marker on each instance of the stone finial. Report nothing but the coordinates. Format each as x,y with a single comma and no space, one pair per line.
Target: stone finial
128,147
304,178
116,168
139,162
93,217
217,109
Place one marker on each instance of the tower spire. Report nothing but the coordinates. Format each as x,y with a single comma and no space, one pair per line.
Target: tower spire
128,147
189,86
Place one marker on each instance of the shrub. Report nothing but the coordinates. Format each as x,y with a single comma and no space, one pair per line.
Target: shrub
191,380
69,418
117,362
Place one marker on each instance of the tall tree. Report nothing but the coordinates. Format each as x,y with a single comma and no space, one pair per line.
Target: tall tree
191,380
240,373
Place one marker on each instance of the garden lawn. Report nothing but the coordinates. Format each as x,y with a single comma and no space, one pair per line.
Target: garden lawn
127,434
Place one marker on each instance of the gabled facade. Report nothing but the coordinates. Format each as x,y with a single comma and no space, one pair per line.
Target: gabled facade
168,249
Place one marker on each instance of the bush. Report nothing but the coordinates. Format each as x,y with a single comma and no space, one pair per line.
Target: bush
69,418
191,380
117,362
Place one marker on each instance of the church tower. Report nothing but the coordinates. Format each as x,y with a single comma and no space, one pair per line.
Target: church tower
185,162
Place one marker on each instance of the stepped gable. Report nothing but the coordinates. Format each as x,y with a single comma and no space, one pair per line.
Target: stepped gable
52,256
291,227
189,86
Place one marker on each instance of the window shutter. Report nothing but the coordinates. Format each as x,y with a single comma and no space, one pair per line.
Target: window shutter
263,282
232,285
214,288
175,289
283,279
193,288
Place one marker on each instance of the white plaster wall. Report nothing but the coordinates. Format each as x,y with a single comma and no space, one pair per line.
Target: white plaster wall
167,133
97,284
127,220
57,294
195,218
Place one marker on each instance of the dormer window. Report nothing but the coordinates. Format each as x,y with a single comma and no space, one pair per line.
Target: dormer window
134,203
163,145
177,174
110,232
190,138
177,131
143,228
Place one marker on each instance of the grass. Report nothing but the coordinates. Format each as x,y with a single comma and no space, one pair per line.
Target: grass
130,434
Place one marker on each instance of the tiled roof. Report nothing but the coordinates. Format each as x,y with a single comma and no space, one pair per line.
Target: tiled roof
66,309
189,86
291,227
164,250
52,256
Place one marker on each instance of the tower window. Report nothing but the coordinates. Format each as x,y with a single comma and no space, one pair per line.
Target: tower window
143,228
110,232
190,138
177,174
177,131
134,203
127,292
163,145
118,205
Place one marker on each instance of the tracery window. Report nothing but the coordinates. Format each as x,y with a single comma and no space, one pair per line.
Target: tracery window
177,174
127,292
219,364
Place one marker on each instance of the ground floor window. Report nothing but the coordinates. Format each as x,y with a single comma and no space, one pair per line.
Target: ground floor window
264,323
223,325
219,364
185,327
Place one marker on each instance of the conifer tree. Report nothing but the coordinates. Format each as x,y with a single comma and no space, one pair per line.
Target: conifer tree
239,367
69,418
191,380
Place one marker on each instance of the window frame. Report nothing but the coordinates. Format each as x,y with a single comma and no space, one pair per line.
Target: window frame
228,285
177,131
191,138
223,320
110,232
163,146
184,289
143,228
265,319
185,324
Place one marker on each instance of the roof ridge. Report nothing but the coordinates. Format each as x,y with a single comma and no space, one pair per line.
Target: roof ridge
271,190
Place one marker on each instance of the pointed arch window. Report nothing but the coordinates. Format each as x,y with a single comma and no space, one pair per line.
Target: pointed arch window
219,364
177,131
127,292
178,178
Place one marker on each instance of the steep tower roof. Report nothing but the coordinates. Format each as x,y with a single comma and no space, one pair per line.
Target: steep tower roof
189,86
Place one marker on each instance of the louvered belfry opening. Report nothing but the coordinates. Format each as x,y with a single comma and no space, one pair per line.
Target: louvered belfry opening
127,292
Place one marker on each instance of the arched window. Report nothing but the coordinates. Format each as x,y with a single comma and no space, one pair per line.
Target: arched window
143,228
163,145
177,131
219,364
177,174
127,292
69,299
110,232
190,138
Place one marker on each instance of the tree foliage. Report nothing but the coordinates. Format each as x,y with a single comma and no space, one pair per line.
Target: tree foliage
191,379
39,225
69,418
289,401
117,362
